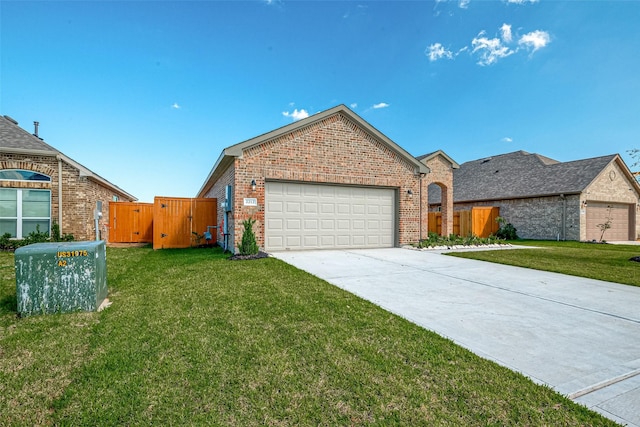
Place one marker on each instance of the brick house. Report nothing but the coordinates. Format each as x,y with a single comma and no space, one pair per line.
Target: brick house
328,181
40,185
549,200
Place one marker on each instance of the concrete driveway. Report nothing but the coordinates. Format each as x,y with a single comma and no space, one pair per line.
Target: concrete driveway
578,336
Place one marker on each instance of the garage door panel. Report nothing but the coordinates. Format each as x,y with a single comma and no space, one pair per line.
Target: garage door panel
358,209
343,208
275,224
343,224
311,241
310,208
311,224
310,216
293,225
275,206
293,241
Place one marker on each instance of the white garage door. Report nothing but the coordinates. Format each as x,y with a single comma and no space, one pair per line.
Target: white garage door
312,216
599,213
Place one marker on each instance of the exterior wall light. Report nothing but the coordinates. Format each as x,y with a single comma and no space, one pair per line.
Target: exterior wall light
584,204
253,185
410,193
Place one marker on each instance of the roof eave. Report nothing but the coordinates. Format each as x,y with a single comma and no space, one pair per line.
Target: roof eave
84,172
225,159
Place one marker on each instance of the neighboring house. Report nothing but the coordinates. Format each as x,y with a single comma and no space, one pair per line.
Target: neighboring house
328,181
547,199
39,186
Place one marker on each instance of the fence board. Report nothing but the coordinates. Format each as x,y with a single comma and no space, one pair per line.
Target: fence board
130,222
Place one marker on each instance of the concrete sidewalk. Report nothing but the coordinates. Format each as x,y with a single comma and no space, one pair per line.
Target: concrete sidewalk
579,336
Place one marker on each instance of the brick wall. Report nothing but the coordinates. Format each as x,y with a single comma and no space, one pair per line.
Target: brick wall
334,150
79,194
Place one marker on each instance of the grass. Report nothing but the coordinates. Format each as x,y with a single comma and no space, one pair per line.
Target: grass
595,261
194,339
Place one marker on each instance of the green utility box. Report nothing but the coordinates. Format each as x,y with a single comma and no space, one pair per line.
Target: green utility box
61,277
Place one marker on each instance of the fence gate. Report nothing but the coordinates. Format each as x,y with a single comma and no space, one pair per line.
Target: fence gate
130,222
483,220
176,219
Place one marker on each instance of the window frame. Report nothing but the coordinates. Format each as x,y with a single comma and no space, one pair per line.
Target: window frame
19,218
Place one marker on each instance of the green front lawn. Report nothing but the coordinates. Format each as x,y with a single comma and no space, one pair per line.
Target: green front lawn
595,261
195,339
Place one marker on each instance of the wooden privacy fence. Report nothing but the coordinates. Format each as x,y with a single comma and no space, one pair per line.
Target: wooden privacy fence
479,221
130,222
168,222
175,220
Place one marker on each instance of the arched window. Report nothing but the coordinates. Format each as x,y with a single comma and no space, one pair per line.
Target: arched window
23,175
24,210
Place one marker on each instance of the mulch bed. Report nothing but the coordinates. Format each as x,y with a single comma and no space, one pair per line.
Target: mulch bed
238,257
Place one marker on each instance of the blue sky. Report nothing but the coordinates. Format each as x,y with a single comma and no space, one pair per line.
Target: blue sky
148,93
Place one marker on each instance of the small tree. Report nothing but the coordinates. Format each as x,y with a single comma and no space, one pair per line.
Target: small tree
248,246
605,225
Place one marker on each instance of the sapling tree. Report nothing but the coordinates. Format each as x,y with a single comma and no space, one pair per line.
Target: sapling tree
605,225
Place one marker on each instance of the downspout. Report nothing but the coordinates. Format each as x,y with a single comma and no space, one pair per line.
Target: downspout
59,194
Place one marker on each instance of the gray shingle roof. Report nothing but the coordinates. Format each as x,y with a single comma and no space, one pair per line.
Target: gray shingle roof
521,174
13,136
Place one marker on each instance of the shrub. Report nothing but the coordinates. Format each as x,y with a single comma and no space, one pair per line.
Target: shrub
55,234
506,231
248,246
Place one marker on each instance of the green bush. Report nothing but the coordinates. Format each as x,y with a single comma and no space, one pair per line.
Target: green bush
9,244
55,234
506,231
248,246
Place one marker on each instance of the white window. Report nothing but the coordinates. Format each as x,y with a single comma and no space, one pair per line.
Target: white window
23,211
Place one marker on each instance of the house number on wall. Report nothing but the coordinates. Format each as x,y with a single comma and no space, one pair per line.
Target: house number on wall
250,202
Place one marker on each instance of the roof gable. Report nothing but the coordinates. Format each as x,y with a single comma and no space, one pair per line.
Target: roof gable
426,157
237,150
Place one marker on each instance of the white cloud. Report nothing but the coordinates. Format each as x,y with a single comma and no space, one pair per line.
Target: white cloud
175,106
437,51
354,105
296,115
507,139
489,50
535,40
380,105
507,37
520,1
463,4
